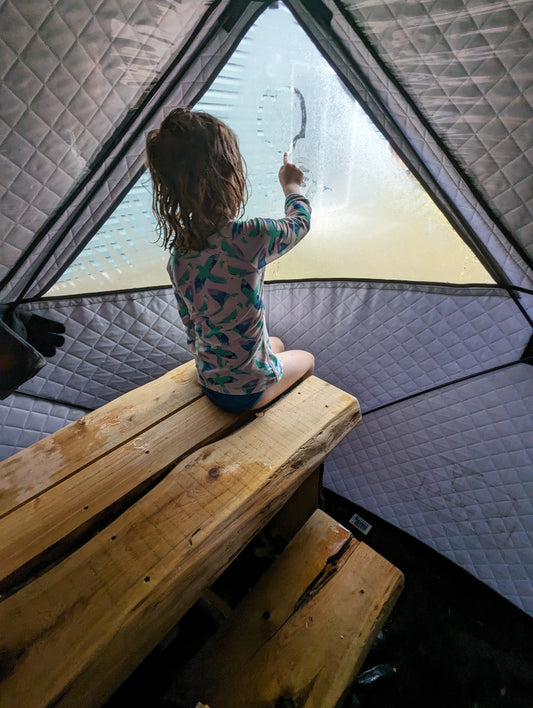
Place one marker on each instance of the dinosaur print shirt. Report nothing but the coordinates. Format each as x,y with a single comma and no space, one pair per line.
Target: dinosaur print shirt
219,292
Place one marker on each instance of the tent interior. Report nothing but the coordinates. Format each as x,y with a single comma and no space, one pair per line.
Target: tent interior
413,124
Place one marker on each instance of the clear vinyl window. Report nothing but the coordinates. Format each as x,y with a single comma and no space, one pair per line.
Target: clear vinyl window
371,218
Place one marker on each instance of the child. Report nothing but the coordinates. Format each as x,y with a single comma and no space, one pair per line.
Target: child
217,262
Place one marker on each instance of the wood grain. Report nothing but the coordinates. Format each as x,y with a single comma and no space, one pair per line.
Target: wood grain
71,636
54,458
304,631
49,525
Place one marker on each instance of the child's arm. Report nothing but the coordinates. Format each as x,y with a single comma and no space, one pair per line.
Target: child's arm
265,240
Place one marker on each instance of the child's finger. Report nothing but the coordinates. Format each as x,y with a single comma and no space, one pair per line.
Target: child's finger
285,158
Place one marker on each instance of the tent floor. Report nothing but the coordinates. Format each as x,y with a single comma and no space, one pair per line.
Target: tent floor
450,639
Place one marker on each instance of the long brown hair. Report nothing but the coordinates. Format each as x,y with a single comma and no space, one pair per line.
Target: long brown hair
198,177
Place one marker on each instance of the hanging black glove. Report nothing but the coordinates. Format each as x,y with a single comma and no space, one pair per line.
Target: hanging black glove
24,339
19,361
43,333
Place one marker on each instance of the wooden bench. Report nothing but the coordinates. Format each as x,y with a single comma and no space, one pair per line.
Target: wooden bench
111,528
301,635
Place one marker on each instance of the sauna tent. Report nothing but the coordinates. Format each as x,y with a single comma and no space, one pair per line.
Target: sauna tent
414,290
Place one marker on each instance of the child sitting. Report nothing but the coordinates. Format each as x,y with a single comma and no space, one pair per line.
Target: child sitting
217,262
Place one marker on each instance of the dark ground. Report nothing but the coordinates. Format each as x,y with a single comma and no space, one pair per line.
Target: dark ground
450,642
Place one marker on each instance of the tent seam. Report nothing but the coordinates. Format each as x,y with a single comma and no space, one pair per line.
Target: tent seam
527,360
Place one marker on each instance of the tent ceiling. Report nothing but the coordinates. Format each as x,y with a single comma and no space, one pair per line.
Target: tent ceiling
365,201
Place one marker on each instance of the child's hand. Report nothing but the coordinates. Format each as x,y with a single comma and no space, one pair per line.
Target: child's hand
290,176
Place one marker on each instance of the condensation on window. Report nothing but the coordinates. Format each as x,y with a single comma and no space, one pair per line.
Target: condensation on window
123,254
371,218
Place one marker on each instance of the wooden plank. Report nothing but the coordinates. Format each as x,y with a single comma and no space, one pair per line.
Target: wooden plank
56,457
48,526
304,631
107,605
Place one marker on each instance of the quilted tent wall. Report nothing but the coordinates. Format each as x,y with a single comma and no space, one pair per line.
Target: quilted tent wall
445,450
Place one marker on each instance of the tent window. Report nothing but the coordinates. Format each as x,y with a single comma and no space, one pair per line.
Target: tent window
371,218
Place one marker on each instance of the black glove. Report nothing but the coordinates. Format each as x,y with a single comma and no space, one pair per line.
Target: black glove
24,339
19,361
43,333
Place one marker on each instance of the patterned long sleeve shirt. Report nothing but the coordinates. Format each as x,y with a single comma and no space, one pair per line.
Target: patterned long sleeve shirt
219,292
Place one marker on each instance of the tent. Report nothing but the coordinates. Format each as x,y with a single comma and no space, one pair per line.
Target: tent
420,110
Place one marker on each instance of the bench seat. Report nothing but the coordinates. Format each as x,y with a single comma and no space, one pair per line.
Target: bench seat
113,527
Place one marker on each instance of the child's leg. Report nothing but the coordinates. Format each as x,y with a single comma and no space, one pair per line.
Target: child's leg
276,345
297,364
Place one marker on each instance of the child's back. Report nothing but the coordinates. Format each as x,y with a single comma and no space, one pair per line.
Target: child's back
217,262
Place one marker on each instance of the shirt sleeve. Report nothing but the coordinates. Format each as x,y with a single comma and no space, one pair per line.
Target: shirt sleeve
265,240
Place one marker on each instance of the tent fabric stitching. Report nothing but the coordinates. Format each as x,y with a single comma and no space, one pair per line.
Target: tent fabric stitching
32,71
455,474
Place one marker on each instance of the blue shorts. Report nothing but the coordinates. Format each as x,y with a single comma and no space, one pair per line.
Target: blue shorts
233,403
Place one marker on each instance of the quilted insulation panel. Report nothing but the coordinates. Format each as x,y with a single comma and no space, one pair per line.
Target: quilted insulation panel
83,98
385,341
469,67
401,118
114,343
70,74
454,468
